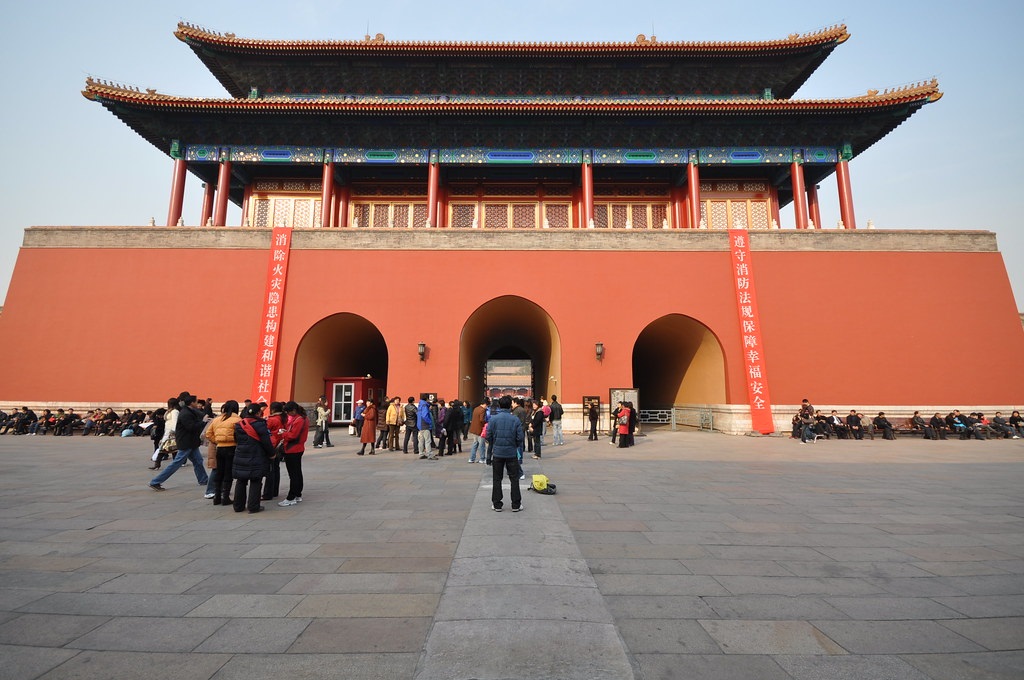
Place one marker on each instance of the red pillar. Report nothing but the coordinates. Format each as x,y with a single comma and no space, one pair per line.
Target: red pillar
588,193
845,195
812,204
678,197
220,210
341,210
207,212
799,195
177,192
433,184
327,198
693,194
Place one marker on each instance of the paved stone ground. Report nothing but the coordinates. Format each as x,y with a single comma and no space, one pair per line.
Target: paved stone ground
690,555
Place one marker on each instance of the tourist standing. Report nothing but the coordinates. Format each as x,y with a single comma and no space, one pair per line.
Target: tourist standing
592,416
505,439
555,418
221,434
251,461
275,426
537,421
323,424
478,450
294,436
369,427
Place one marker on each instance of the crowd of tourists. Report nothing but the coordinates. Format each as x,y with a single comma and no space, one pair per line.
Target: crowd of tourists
246,446
810,425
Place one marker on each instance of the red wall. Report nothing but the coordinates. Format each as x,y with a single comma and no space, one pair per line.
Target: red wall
128,325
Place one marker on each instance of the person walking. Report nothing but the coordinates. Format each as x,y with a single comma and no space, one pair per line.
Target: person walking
251,461
187,430
505,439
161,418
294,436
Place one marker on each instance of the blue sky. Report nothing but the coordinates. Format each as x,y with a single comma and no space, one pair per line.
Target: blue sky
953,165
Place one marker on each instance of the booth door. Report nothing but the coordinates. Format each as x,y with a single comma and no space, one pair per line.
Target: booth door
342,397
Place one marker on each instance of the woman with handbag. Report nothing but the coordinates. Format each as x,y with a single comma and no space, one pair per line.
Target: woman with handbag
623,424
295,435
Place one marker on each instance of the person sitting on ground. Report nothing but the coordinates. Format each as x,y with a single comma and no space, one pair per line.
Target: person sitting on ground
938,424
882,423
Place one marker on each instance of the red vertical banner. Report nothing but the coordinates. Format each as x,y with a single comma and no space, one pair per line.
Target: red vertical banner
750,332
270,321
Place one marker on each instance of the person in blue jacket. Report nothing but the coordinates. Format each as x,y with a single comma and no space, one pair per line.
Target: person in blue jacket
424,428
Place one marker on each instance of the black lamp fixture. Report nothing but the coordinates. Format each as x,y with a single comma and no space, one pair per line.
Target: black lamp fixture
599,350
421,349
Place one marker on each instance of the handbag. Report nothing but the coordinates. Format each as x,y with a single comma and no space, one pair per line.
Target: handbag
170,445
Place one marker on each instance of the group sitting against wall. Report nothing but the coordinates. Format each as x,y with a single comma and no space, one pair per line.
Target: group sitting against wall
100,422
810,424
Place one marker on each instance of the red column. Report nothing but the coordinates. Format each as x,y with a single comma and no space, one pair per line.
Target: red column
577,209
588,193
220,210
796,171
207,213
327,198
693,195
678,197
177,192
341,210
845,195
433,184
812,204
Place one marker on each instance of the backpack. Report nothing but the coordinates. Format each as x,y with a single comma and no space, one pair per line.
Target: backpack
542,486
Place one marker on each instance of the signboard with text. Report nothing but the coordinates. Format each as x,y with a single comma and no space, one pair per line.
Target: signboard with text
750,333
270,321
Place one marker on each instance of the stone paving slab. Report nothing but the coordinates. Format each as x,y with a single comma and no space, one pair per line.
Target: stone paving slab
689,555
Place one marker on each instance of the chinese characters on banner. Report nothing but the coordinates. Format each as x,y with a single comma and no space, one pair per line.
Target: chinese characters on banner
750,332
270,322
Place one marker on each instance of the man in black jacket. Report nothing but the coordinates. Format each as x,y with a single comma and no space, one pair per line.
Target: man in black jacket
187,434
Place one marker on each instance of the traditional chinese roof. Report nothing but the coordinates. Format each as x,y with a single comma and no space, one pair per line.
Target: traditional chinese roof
511,122
380,66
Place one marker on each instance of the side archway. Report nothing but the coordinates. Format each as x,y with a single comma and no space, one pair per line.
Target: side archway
340,345
678,360
509,327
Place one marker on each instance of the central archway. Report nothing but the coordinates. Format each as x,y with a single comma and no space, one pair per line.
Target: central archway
509,327
340,345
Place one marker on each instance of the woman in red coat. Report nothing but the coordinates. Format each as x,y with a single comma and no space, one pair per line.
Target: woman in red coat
296,431
369,432
623,425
